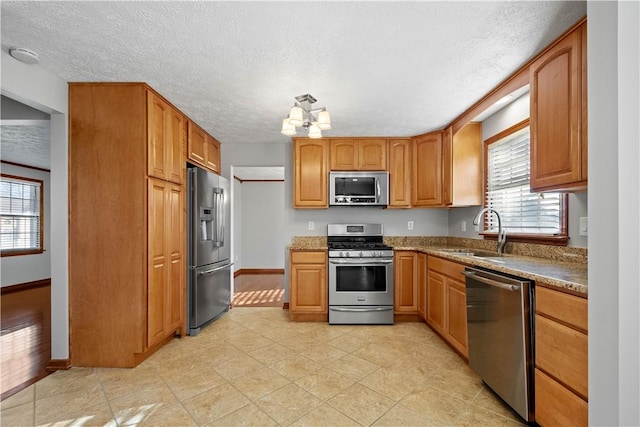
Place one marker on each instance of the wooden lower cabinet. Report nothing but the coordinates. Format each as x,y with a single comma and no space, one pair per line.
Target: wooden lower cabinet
165,292
447,302
405,288
308,292
561,359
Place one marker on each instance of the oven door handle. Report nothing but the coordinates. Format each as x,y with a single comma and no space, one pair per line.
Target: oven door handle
362,261
360,310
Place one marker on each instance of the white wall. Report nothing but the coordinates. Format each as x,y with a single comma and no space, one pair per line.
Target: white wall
614,207
29,268
39,89
508,116
263,226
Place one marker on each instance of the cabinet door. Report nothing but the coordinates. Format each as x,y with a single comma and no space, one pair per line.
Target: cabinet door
556,117
197,139
422,286
457,315
212,152
158,113
466,164
400,173
372,154
308,283
175,235
310,177
344,154
165,285
175,143
556,405
435,301
427,170
158,261
405,282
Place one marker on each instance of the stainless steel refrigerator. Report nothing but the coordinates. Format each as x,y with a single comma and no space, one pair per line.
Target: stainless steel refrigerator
209,255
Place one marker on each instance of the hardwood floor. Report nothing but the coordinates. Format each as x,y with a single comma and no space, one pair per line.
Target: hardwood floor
26,335
259,290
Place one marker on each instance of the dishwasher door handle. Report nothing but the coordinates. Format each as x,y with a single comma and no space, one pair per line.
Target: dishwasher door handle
507,286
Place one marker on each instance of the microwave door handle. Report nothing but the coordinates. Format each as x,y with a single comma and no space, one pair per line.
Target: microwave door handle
377,189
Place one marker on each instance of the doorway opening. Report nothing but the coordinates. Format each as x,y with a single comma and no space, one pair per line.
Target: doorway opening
258,242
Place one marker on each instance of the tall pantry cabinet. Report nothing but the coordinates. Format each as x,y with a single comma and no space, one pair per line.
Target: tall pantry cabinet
126,223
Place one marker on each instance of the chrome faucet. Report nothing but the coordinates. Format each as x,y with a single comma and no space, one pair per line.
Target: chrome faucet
502,234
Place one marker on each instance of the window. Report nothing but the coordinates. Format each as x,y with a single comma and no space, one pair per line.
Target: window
21,215
526,216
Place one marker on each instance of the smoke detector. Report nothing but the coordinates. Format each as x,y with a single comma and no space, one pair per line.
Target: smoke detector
24,55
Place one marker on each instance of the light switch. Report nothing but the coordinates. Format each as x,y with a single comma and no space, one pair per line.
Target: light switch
463,226
583,226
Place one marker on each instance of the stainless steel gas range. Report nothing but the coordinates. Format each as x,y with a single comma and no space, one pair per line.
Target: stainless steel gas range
360,275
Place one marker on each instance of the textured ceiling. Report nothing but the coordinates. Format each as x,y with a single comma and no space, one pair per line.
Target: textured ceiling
259,173
26,142
380,68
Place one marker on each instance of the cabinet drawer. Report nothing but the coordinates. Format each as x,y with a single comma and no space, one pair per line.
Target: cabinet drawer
301,257
566,308
446,267
558,406
562,353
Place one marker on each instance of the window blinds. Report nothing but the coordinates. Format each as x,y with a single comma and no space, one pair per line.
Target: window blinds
20,214
508,174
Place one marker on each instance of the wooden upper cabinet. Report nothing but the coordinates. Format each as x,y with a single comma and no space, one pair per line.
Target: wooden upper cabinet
558,116
344,154
447,166
164,140
426,157
372,154
203,149
399,173
197,140
358,154
465,188
212,154
310,180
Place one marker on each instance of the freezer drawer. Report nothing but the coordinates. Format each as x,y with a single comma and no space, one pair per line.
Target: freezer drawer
209,295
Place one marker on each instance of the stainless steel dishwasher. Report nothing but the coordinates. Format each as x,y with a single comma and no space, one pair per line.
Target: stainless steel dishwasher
499,326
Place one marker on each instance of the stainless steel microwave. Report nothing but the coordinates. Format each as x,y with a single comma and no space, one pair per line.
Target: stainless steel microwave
358,188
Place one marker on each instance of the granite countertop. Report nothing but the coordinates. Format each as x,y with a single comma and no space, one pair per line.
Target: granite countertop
568,276
564,268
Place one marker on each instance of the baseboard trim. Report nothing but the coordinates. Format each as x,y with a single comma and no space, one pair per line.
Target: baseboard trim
25,286
285,306
58,365
258,271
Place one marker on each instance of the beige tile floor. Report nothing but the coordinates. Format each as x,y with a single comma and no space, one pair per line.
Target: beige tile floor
252,367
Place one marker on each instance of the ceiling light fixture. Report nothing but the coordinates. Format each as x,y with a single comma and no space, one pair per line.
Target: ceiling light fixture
301,114
24,55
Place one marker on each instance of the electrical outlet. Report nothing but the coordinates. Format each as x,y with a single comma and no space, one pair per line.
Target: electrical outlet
584,226
311,225
410,225
477,227
463,226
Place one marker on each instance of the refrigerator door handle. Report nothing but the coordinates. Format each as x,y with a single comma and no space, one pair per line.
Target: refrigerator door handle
213,270
217,192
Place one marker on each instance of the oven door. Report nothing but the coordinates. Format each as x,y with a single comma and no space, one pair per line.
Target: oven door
361,281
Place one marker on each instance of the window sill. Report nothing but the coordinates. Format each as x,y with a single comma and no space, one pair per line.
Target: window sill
22,252
540,239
